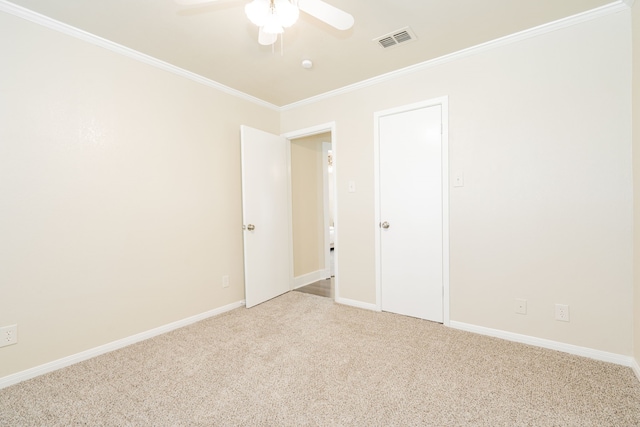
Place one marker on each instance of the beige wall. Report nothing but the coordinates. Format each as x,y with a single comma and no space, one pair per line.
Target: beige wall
120,204
308,203
120,197
636,174
541,130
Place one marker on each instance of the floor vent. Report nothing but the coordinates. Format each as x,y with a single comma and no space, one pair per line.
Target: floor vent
395,38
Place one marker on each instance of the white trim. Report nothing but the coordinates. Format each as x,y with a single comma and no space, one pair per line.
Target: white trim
311,130
301,133
636,368
569,21
115,345
603,356
68,30
444,103
292,282
326,147
309,278
45,21
377,216
357,304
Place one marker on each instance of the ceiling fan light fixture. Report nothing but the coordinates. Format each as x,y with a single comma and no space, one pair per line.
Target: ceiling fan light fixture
287,12
266,39
258,12
272,15
272,26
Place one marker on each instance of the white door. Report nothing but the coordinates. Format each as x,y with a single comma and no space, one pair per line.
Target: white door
411,212
265,215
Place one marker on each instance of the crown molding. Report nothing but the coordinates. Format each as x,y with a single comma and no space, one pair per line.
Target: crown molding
45,21
614,7
29,15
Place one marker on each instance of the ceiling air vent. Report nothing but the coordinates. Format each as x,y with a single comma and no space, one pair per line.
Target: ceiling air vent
394,38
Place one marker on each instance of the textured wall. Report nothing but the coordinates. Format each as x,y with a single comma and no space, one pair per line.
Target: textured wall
120,204
120,196
541,130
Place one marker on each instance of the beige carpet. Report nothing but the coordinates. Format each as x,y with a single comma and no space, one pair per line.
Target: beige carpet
301,360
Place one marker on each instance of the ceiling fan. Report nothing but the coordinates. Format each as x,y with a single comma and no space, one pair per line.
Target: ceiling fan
273,16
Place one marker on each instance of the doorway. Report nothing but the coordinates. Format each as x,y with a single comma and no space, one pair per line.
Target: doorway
313,210
412,210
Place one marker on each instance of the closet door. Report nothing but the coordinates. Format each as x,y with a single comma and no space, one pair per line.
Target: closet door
411,213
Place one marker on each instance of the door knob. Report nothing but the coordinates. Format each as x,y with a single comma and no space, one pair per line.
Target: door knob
384,225
251,227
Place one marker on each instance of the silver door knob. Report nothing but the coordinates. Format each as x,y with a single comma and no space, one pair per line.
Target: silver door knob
384,225
251,227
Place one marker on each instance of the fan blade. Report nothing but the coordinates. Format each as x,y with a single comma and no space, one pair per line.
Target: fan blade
326,13
193,2
266,39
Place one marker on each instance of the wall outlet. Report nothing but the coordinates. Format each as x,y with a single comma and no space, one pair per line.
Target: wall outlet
8,335
225,281
520,306
562,312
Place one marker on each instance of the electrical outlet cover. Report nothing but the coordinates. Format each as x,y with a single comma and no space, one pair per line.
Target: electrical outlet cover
562,312
8,335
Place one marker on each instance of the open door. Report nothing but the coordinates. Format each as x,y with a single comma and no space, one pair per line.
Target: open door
265,215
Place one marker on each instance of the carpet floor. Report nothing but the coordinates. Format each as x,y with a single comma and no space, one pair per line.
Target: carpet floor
302,360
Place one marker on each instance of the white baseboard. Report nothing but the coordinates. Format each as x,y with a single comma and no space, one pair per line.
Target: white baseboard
115,345
603,356
307,279
357,304
636,368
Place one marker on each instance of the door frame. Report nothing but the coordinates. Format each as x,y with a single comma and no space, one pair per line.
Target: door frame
301,133
326,146
444,103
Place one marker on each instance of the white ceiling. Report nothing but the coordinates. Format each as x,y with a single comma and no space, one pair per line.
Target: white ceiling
218,42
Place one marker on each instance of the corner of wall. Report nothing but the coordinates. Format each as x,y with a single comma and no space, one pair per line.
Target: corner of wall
635,17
